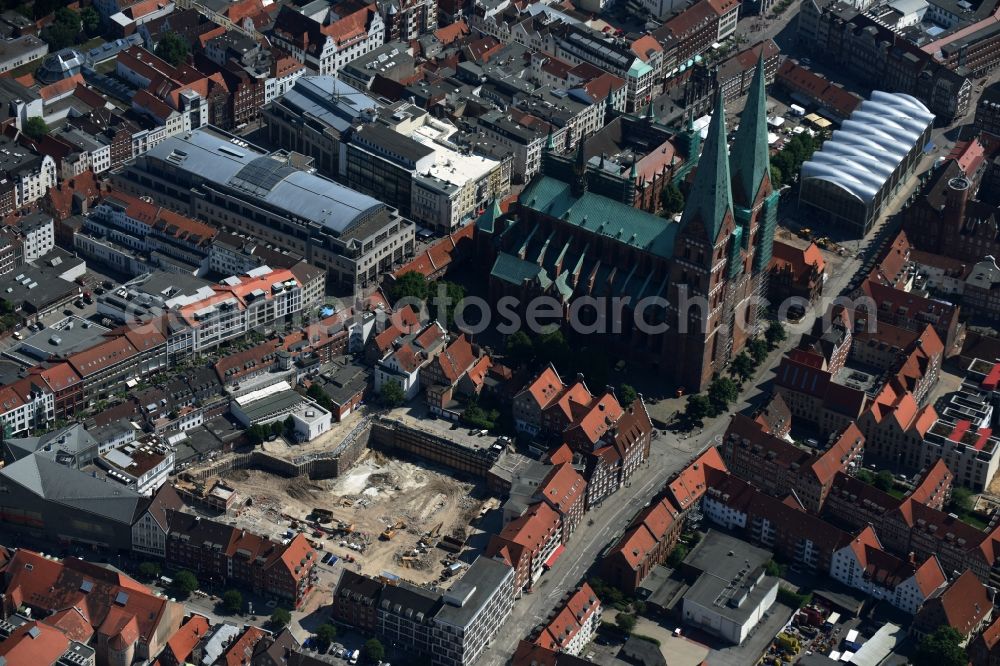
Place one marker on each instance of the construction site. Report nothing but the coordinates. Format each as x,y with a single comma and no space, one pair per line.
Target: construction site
383,515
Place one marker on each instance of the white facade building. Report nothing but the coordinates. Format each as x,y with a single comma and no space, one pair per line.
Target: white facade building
864,566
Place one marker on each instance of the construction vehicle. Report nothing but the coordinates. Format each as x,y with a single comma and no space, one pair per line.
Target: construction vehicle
436,530
391,531
347,528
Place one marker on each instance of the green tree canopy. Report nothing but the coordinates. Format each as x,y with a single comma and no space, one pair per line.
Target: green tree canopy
775,334
232,601
91,21
280,618
698,407
374,650
150,570
410,285
941,648
961,499
722,392
185,583
63,31
520,348
626,622
884,481
742,366
627,395
173,48
757,349
392,394
672,199
325,633
35,127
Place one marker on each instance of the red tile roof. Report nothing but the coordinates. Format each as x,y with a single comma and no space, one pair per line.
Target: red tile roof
965,603
182,643
33,644
688,486
563,487
546,387
800,261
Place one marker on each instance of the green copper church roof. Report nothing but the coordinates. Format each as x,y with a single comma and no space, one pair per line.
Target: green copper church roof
711,195
488,220
749,159
601,215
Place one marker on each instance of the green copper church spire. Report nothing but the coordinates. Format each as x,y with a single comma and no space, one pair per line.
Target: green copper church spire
749,159
711,193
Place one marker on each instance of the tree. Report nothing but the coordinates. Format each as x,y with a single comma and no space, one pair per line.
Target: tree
319,395
91,21
677,555
520,349
150,570
757,349
35,128
280,618
185,583
742,367
444,300
775,334
63,30
961,499
277,428
232,601
289,426
625,622
392,394
722,392
475,416
772,568
325,633
698,407
172,48
553,348
941,648
627,395
374,651
257,433
865,476
884,481
777,178
672,199
409,285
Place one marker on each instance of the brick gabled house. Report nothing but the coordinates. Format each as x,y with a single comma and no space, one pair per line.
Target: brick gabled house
527,543
565,490
647,543
865,566
777,466
224,554
966,605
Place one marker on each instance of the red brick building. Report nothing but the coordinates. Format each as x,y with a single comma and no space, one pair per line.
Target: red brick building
795,272
223,554
777,466
645,544
966,606
527,543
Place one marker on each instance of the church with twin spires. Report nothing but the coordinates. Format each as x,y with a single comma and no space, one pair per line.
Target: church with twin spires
698,282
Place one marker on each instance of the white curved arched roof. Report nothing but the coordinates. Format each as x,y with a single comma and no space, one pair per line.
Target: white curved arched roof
863,154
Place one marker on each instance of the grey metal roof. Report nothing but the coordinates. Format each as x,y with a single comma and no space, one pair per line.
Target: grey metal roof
862,155
74,489
72,440
464,601
329,100
221,161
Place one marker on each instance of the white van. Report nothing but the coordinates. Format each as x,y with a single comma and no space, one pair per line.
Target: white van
355,656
